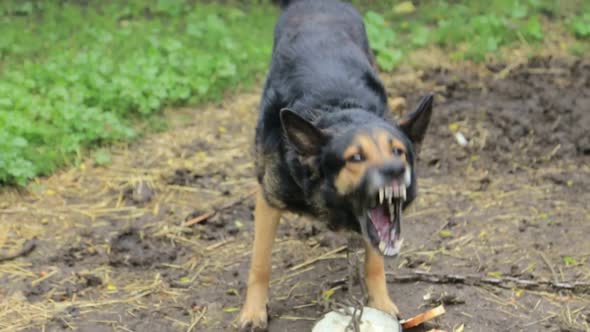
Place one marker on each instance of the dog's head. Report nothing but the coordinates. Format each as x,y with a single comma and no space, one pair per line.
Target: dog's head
365,164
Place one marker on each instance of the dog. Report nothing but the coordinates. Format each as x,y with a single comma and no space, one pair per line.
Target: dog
327,146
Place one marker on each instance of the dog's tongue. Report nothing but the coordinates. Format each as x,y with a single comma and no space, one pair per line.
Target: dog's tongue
386,220
380,221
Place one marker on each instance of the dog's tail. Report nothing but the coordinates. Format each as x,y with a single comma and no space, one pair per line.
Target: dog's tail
284,3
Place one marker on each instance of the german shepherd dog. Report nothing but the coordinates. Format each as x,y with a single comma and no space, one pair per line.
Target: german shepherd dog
327,146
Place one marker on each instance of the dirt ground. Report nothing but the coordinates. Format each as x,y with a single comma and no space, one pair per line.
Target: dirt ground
109,248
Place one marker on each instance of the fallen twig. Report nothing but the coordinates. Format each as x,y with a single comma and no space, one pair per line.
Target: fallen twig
200,218
313,260
502,282
27,248
548,263
210,214
196,321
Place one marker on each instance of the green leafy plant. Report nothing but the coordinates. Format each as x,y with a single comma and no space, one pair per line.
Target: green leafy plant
469,29
580,25
74,77
569,261
382,39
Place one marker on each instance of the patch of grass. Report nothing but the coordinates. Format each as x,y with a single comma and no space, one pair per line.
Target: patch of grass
580,25
74,76
469,30
569,261
382,38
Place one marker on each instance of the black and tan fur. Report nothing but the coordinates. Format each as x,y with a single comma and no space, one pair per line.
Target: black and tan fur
324,130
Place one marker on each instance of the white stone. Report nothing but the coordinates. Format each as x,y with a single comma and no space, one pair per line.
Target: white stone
373,320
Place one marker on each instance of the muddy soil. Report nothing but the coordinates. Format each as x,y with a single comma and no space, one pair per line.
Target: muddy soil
113,251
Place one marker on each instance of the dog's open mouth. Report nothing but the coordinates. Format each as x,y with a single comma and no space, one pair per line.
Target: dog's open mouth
384,222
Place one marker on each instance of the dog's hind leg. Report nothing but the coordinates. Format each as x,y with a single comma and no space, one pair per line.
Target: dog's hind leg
376,283
266,219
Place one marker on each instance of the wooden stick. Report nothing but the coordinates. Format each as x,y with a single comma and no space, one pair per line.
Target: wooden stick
502,282
210,214
313,260
200,218
196,321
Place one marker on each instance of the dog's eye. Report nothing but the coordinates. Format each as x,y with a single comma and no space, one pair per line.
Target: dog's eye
397,152
356,158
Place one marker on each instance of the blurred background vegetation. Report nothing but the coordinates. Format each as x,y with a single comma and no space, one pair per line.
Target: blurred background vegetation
76,76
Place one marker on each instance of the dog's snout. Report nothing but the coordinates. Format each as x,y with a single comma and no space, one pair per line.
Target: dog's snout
394,169
378,177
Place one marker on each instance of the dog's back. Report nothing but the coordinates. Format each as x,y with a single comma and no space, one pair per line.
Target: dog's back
322,57
321,63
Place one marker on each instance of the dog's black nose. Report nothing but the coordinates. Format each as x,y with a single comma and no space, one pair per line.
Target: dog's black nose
394,169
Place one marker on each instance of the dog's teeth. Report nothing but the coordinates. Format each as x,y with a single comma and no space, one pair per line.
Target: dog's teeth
389,193
392,251
381,194
382,246
386,251
408,177
403,193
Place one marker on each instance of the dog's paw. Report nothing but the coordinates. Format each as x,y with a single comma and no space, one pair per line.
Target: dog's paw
253,319
385,304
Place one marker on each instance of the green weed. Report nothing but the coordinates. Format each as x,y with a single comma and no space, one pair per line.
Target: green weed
382,40
580,25
77,76
569,261
74,77
469,29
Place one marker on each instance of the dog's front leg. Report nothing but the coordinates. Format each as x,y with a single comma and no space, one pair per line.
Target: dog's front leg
266,219
376,283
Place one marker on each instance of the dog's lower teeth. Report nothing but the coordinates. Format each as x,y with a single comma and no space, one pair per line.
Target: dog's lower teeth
392,251
382,246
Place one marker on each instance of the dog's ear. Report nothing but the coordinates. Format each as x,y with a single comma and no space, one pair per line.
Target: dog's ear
414,125
302,134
